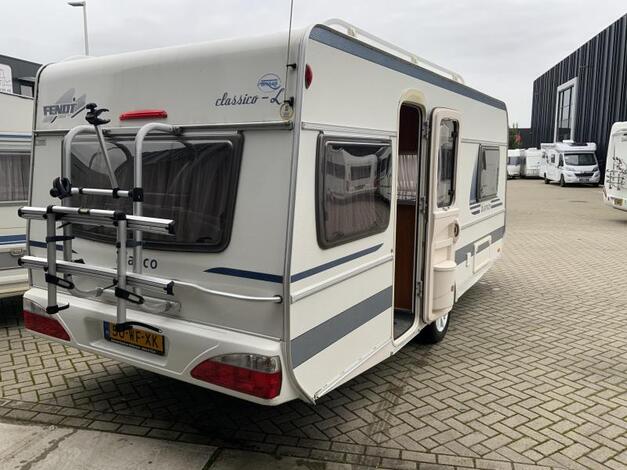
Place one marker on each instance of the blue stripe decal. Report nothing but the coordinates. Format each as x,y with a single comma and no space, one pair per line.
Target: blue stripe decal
44,245
16,136
259,276
246,274
344,43
320,337
333,264
9,239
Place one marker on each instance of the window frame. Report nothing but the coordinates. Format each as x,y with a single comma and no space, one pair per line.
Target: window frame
573,86
323,141
456,142
482,149
26,154
236,141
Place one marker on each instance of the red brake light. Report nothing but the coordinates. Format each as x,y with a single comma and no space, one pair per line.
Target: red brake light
49,326
241,379
308,75
144,114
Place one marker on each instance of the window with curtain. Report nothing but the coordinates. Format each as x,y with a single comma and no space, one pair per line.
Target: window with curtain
353,190
191,181
14,175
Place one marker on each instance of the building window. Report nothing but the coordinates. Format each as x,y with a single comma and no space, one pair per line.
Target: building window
565,111
14,174
353,187
446,162
488,172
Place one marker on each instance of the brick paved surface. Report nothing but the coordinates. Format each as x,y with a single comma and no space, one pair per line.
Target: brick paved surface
532,374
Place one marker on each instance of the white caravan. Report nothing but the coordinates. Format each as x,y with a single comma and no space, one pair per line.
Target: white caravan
570,162
530,165
515,160
615,187
242,265
16,120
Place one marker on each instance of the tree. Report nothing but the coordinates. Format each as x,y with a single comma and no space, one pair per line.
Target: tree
515,139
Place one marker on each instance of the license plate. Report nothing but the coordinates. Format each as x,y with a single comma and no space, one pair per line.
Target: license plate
618,202
136,338
584,180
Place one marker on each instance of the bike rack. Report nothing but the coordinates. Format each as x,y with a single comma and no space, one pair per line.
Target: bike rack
62,188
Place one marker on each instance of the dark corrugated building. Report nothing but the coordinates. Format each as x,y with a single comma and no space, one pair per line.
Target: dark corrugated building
583,95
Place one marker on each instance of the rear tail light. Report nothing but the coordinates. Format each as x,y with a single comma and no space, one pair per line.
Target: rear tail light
308,76
36,319
252,374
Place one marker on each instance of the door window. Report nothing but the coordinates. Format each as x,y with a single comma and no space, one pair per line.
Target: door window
447,155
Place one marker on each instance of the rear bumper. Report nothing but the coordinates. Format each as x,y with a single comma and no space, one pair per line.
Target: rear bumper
13,282
186,343
616,202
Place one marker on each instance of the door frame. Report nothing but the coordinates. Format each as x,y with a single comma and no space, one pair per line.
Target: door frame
415,99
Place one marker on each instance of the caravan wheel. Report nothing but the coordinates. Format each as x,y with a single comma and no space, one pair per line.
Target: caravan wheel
436,331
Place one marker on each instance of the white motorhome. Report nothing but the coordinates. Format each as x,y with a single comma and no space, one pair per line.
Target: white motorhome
569,162
615,186
530,165
15,146
241,264
515,158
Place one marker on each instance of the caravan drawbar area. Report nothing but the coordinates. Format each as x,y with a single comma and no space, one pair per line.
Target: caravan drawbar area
264,231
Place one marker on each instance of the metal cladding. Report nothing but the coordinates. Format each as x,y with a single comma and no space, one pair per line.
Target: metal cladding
600,66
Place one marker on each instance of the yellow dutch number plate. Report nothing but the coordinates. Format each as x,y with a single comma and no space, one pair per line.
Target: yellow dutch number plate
618,202
136,338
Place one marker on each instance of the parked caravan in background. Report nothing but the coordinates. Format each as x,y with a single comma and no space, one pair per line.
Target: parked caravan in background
570,162
515,158
530,167
15,147
615,187
278,245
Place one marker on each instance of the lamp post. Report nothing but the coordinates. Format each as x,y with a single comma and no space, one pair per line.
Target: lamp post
83,4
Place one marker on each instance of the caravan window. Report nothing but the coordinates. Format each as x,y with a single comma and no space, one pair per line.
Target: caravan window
446,162
14,175
488,172
353,186
190,180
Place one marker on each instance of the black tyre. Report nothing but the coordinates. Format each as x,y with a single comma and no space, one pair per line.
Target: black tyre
435,332
562,182
546,180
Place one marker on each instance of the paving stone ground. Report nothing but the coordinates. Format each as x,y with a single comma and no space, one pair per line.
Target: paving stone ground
532,373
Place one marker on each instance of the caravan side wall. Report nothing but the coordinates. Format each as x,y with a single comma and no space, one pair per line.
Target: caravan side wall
341,315
15,147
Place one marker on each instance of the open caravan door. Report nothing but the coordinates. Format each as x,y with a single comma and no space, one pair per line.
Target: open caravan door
443,229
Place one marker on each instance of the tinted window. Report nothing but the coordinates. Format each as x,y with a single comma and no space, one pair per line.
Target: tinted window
488,172
446,162
353,190
14,174
580,159
192,181
565,108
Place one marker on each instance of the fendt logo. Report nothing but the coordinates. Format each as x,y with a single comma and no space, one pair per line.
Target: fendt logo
66,106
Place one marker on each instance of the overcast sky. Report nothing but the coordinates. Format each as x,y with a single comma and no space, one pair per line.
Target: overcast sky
499,46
